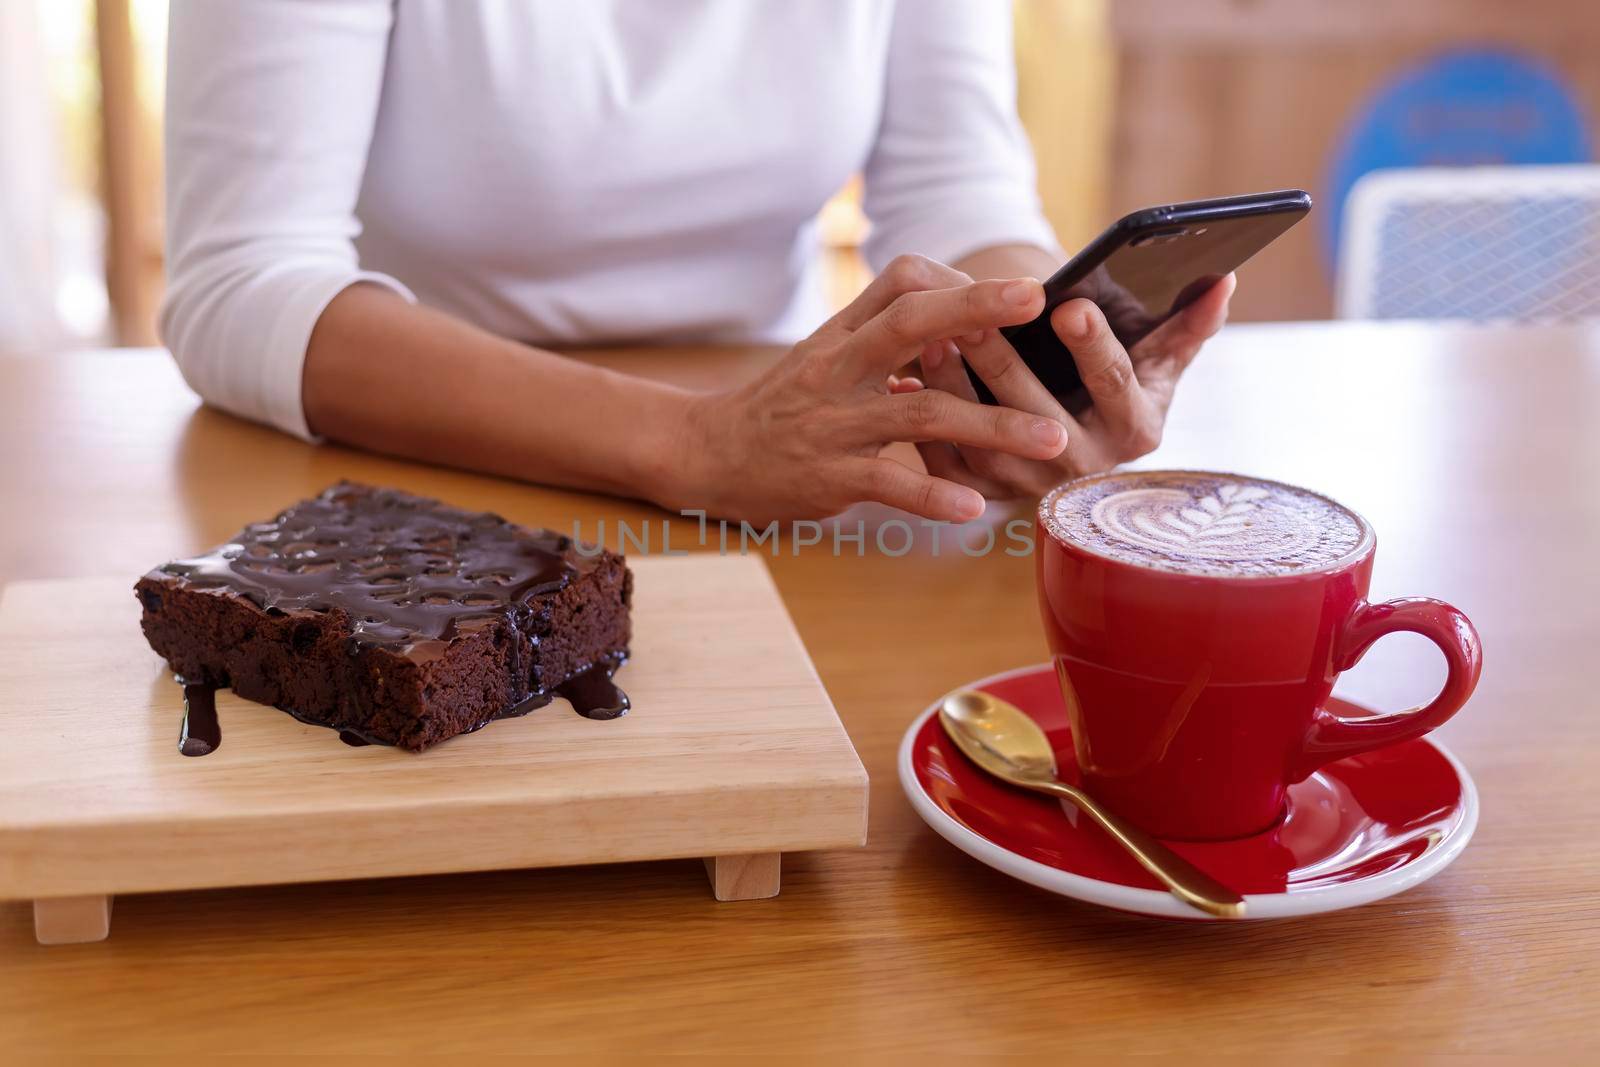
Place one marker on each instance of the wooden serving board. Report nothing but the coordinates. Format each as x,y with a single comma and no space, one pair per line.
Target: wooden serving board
732,752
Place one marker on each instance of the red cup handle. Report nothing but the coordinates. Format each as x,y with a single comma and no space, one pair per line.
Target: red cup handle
1333,736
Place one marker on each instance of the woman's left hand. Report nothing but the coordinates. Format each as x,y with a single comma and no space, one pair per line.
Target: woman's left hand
1131,392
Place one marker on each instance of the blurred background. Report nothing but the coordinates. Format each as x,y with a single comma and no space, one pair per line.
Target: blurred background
1481,113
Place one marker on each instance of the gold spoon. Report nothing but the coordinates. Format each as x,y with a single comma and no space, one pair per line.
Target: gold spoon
1002,740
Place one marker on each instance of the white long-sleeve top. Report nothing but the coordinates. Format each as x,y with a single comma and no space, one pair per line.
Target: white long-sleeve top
565,171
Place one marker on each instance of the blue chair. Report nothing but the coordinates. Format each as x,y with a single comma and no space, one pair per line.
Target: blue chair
1491,243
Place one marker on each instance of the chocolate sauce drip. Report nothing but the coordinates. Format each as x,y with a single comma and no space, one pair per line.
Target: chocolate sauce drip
201,734
410,572
353,739
534,702
593,694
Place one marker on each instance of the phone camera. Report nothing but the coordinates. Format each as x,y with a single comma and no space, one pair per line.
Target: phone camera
1161,237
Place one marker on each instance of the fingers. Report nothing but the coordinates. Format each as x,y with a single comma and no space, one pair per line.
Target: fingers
1107,374
900,331
904,274
897,485
1206,315
945,461
1180,337
1003,476
1009,379
943,369
935,415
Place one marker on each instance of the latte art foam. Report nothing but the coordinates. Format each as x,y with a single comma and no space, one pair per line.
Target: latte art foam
1195,522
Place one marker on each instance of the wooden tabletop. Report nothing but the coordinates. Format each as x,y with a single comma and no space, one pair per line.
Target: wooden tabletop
1474,451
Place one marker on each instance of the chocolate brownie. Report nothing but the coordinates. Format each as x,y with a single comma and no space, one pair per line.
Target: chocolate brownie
390,617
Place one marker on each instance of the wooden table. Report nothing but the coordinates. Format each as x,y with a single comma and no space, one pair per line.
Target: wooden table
1476,453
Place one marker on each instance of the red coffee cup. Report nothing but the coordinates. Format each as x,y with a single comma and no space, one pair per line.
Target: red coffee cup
1196,699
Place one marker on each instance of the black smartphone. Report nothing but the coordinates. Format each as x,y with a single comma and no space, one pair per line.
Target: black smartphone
1146,268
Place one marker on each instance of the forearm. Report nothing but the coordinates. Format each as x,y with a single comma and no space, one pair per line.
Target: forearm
1009,261
410,381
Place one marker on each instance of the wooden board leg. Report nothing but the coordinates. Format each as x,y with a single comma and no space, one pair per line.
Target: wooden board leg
748,877
71,920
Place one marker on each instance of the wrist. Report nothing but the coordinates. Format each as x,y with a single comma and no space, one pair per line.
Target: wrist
673,454
1009,261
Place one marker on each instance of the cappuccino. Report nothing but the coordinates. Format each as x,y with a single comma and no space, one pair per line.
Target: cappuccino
1197,522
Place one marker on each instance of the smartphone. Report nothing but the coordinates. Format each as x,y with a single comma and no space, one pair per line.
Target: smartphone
1143,270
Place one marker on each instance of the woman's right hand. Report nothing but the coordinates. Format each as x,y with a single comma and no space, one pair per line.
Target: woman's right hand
803,440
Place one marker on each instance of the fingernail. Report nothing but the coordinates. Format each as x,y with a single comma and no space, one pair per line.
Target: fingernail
1019,292
933,358
1049,432
973,338
969,504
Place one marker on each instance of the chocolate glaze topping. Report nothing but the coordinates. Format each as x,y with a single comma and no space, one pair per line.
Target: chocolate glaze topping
408,581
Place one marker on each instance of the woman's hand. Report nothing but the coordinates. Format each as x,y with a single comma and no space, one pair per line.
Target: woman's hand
803,440
1131,393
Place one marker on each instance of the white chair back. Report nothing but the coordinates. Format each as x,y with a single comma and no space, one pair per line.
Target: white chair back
1517,243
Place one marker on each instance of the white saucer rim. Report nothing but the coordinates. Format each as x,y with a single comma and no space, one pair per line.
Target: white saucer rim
1158,903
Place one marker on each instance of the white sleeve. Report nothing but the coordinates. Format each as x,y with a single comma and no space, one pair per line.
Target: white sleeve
269,115
951,171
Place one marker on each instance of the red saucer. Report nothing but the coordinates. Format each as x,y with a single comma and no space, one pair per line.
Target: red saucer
1356,831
